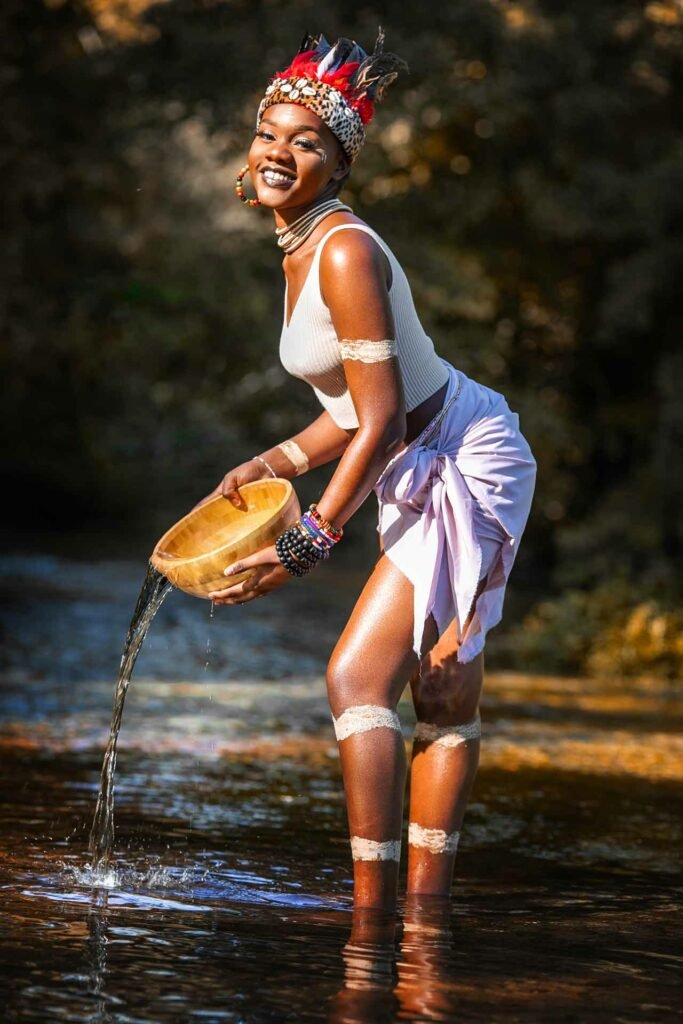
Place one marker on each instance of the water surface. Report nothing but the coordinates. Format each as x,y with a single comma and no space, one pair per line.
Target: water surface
229,898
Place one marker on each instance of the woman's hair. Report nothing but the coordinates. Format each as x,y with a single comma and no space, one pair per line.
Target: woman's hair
341,182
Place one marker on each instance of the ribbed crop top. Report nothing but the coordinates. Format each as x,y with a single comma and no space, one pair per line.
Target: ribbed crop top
310,349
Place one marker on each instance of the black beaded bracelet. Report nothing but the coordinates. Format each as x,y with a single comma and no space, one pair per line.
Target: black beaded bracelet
297,552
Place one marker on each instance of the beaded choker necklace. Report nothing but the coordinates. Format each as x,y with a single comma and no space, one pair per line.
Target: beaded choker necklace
291,236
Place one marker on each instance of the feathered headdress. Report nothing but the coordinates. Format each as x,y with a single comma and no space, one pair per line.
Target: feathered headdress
340,83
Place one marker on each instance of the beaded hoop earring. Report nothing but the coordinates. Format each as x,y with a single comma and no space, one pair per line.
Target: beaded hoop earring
240,190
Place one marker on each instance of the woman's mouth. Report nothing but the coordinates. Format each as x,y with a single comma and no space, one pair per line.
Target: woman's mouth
274,179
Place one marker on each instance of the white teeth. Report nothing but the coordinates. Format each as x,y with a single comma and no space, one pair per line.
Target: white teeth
272,177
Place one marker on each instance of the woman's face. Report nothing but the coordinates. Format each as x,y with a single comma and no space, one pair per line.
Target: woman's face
293,157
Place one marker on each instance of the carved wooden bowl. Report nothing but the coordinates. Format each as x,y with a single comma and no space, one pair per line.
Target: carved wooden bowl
193,554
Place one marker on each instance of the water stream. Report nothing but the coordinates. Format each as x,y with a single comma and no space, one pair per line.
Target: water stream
154,589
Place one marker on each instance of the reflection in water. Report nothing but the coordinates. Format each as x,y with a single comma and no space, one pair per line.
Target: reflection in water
426,973
370,975
97,931
410,977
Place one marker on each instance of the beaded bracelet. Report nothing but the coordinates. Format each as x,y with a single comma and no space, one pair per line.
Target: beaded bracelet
324,525
297,552
307,542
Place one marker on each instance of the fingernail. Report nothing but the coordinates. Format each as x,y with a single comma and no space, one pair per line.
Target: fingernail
229,571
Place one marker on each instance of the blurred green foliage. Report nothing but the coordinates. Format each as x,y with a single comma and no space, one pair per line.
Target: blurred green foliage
600,631
527,173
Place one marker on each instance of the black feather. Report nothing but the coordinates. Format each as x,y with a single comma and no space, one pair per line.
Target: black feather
374,72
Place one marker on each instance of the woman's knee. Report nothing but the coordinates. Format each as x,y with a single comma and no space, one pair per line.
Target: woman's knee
367,682
343,685
356,705
375,673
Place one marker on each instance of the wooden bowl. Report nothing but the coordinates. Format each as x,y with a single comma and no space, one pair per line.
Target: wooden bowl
193,554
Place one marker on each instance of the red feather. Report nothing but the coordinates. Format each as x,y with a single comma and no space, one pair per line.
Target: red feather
303,65
365,109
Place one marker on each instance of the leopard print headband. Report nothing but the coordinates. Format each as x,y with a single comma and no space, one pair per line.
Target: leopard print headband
339,83
325,101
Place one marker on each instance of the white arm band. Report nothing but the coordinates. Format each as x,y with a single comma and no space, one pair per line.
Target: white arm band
368,351
296,455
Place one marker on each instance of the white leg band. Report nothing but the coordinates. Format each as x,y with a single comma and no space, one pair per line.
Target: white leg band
362,717
370,849
448,735
433,839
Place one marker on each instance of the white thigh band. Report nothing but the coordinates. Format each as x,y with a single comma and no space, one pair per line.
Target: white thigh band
448,735
433,839
371,849
362,717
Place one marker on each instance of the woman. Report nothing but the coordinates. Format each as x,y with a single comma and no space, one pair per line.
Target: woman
453,475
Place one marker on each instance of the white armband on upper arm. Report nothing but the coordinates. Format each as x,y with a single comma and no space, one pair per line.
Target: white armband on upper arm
366,350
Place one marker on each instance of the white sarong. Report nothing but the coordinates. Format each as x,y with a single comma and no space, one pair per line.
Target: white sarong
469,462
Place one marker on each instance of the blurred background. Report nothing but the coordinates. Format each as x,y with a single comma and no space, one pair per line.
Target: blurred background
527,173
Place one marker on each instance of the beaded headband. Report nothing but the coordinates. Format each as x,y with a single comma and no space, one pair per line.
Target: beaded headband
339,83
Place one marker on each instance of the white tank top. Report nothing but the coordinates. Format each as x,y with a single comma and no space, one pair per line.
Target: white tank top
310,350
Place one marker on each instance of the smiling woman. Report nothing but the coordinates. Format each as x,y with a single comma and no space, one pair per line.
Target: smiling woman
453,475
315,165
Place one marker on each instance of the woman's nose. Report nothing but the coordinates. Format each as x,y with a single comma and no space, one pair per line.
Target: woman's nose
278,152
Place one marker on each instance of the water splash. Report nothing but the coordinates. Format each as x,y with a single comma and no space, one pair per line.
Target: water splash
154,589
117,877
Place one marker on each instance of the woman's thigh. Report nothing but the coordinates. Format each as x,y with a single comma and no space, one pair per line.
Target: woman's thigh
446,691
373,659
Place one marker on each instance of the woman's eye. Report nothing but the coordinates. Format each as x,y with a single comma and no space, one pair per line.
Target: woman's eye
262,134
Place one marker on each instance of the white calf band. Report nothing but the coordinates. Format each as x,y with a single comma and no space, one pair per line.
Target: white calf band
433,839
371,849
448,735
296,455
362,717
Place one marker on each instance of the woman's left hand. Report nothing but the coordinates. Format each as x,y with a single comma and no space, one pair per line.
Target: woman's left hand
269,574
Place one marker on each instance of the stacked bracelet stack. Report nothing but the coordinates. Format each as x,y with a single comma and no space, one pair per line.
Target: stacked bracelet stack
304,544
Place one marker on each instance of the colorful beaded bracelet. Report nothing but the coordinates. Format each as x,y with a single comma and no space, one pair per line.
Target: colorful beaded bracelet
324,524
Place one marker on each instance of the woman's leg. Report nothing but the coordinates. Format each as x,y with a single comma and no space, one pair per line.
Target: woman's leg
367,673
445,758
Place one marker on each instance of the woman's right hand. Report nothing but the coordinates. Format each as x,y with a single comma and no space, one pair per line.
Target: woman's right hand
235,478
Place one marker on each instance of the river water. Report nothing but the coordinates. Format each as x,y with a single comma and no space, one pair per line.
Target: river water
229,897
